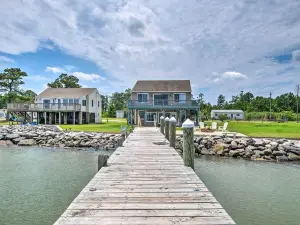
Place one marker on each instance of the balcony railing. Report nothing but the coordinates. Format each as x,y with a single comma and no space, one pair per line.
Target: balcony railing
36,107
189,104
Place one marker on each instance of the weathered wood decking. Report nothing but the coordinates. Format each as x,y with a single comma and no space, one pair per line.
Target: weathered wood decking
145,183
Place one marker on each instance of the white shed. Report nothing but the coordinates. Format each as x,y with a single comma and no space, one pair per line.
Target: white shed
119,114
232,114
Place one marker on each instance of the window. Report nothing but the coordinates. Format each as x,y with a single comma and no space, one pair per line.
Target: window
92,103
237,114
216,114
160,99
151,116
83,102
142,97
76,101
65,101
180,98
71,101
98,103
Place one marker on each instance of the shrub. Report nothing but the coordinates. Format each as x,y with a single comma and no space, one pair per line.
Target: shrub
223,117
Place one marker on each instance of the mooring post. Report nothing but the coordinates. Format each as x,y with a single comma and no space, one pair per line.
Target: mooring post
167,132
162,125
172,127
102,161
188,143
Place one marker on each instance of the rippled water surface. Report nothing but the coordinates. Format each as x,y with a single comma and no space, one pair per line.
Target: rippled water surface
37,185
254,193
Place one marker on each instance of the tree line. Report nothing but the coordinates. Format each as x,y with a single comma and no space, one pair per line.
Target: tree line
284,106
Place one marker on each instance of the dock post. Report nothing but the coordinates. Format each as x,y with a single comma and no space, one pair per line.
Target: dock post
102,161
172,127
162,125
167,132
188,143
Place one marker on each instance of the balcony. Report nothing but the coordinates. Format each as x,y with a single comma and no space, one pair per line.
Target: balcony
43,107
163,104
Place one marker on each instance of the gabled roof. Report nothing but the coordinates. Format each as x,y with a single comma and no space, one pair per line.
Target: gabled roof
162,86
227,111
66,92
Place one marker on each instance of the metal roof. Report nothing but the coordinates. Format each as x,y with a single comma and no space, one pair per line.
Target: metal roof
227,111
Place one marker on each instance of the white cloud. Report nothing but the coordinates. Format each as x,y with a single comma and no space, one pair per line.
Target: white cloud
4,59
296,55
230,75
55,69
143,39
87,76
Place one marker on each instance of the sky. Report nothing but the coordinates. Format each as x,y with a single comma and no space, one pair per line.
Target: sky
222,46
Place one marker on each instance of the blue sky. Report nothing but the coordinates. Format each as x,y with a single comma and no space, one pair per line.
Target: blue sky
223,47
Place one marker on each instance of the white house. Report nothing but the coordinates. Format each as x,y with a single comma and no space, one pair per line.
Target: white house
62,106
230,113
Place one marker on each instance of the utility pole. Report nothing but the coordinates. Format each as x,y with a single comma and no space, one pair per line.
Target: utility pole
270,106
297,90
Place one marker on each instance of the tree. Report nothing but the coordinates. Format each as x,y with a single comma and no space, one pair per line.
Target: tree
65,81
221,101
29,94
104,99
297,90
223,117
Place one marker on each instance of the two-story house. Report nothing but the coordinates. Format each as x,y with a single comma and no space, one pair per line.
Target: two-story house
62,106
151,99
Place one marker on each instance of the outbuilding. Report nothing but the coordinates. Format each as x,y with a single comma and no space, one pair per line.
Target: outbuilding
232,114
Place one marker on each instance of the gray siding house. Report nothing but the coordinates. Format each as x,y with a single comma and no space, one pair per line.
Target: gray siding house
230,113
151,99
62,106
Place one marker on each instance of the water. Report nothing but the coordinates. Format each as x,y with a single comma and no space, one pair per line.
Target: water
254,193
37,185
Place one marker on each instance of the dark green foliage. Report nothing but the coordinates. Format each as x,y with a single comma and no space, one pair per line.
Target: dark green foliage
223,117
65,81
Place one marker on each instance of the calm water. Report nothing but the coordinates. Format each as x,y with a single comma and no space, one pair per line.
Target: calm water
254,193
37,185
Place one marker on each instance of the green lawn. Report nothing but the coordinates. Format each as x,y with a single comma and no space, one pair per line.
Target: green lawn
112,126
262,129
266,129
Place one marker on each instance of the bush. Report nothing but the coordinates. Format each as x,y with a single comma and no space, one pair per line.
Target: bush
223,117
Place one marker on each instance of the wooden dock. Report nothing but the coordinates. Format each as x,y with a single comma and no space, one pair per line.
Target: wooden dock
145,183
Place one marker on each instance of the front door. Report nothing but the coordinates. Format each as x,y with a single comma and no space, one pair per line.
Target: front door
231,116
141,118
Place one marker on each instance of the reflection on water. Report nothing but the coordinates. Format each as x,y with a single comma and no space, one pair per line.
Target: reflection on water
254,193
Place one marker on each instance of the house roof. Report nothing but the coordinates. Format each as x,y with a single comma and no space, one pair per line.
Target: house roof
162,86
66,92
227,111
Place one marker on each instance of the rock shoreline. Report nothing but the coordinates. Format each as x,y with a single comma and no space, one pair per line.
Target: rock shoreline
48,136
264,149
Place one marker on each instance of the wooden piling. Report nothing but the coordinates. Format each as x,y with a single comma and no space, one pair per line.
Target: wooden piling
102,161
167,132
188,143
172,128
162,125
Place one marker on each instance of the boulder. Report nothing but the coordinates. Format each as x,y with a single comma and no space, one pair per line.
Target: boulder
281,158
12,136
259,142
29,135
205,151
233,145
268,151
218,147
292,149
293,157
5,143
274,145
17,140
234,153
279,153
259,153
27,142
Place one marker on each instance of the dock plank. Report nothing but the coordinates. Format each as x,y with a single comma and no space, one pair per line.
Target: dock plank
145,183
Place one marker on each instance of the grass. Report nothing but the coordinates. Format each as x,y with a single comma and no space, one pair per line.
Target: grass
266,129
108,125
